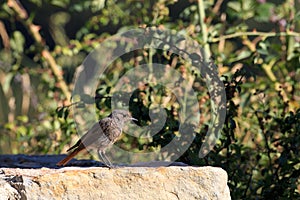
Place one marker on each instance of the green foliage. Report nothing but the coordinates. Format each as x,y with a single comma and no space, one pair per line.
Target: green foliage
262,152
255,45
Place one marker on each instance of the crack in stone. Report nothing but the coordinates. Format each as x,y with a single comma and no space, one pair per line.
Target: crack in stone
17,183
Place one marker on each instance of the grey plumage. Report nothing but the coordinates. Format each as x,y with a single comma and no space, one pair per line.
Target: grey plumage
102,135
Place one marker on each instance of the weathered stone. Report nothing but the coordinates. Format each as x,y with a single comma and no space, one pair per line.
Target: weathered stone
174,182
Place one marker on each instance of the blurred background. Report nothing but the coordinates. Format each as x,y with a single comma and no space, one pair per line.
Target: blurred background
255,45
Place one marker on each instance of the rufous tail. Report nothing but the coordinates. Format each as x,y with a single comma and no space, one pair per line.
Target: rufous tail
64,161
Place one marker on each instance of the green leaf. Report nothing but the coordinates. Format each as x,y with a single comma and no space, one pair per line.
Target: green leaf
60,3
263,12
234,5
17,42
242,55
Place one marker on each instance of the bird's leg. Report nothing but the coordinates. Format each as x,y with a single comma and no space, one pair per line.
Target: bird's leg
105,159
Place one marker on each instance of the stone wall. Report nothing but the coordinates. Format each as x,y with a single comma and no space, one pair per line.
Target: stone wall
140,182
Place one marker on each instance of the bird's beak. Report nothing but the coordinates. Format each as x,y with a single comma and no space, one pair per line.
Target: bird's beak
134,119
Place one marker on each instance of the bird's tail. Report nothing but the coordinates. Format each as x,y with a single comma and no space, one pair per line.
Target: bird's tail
64,161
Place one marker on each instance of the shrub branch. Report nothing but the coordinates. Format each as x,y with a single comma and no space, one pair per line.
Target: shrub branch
34,30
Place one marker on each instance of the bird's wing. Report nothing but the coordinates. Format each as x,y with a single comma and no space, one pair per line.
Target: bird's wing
97,135
111,129
91,135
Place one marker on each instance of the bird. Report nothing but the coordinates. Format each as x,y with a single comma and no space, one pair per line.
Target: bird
102,135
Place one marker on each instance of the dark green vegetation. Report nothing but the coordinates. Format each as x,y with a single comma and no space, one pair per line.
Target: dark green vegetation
255,45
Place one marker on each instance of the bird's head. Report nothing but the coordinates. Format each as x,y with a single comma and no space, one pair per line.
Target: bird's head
121,116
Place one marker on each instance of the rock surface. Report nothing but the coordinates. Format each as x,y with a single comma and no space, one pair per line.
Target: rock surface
173,182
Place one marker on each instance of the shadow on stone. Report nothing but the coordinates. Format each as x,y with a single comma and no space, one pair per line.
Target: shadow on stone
49,161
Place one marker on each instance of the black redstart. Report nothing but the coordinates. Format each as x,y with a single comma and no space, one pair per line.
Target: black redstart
102,135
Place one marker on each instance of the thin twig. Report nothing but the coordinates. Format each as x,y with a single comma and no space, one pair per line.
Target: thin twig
255,33
204,31
4,36
215,10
